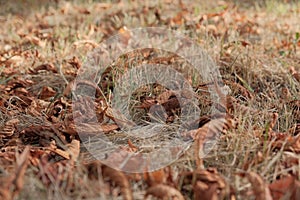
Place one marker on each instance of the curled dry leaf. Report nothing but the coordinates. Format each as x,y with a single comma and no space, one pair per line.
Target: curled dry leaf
16,60
285,188
290,142
165,96
293,144
210,184
9,128
83,10
119,179
44,67
205,192
118,118
213,127
207,184
260,188
75,62
47,92
162,191
161,176
35,40
156,177
72,151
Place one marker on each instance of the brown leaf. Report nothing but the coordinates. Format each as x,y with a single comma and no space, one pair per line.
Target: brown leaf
157,113
75,62
9,128
164,192
285,188
213,127
294,144
171,105
120,179
45,67
118,118
83,11
35,40
291,143
165,96
285,94
207,184
260,188
205,192
147,103
47,92
156,177
72,151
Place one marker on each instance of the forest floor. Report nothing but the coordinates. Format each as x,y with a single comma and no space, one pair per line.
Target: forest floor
256,46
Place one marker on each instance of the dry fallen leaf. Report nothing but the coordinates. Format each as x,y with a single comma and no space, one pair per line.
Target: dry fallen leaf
119,179
35,40
290,142
47,92
205,192
207,184
162,191
157,177
260,188
9,128
72,151
45,67
211,128
285,188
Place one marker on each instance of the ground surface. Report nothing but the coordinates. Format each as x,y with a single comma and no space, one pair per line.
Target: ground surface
257,48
